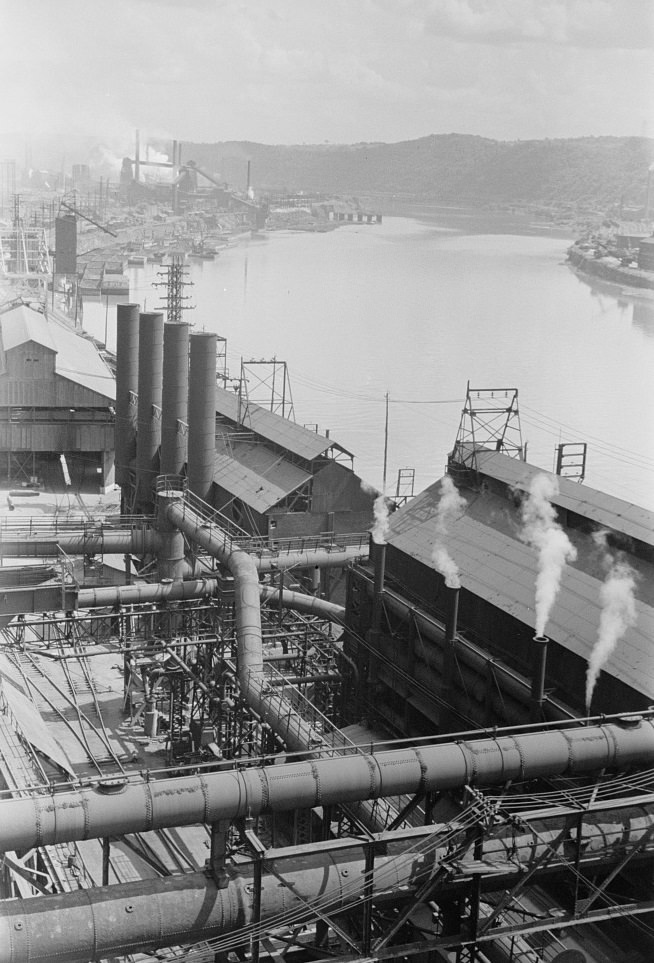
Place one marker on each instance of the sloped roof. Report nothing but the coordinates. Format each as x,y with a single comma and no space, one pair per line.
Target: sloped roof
494,564
256,475
274,428
604,510
22,324
76,359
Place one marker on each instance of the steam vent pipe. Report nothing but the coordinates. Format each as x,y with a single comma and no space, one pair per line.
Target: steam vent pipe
127,386
174,404
202,414
538,677
148,438
379,559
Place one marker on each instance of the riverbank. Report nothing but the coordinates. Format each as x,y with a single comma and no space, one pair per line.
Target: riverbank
609,269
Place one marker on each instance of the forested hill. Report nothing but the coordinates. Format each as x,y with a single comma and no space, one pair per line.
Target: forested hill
449,167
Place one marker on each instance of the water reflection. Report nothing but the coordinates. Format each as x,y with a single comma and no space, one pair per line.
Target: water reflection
643,317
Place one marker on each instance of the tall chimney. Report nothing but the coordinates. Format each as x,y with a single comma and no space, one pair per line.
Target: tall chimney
127,386
379,561
148,438
137,157
447,717
202,414
174,402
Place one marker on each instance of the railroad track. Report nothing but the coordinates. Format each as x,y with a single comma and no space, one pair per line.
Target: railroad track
72,702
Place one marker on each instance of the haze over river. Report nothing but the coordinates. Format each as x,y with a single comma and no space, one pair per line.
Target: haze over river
417,309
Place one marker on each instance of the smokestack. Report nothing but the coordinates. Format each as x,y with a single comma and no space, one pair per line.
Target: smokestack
137,157
174,403
202,413
247,186
148,438
449,657
379,555
127,381
538,677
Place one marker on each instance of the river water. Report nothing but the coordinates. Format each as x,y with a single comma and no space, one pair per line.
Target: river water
416,308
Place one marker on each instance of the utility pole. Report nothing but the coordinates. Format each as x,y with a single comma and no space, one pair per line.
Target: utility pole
385,447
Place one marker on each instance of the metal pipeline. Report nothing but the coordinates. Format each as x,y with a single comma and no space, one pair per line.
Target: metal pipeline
168,591
178,591
114,920
322,558
106,541
303,603
255,689
139,805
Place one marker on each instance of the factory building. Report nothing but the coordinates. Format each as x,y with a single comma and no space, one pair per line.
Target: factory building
276,478
430,675
56,405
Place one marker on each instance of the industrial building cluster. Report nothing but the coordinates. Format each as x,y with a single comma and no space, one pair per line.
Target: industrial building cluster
262,711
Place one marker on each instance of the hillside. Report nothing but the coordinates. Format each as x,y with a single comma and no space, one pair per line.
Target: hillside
449,168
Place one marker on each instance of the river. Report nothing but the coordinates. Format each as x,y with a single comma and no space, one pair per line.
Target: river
416,308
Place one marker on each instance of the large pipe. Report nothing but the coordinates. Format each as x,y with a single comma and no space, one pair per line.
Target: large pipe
174,403
168,591
107,541
139,805
109,596
202,413
320,557
300,602
127,369
304,883
148,438
137,540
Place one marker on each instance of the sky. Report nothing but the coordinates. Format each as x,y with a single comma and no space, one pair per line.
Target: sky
311,71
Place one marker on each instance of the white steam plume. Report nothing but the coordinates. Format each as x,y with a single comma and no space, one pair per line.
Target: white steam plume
542,532
617,614
380,528
451,505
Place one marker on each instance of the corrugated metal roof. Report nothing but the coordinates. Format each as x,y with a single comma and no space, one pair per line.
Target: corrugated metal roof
256,475
22,324
604,510
79,361
274,428
76,359
496,565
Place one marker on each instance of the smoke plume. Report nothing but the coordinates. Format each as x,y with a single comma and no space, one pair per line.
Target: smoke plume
381,527
618,613
380,509
450,506
542,532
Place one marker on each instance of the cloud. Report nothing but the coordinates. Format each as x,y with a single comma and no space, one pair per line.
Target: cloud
626,24
294,71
